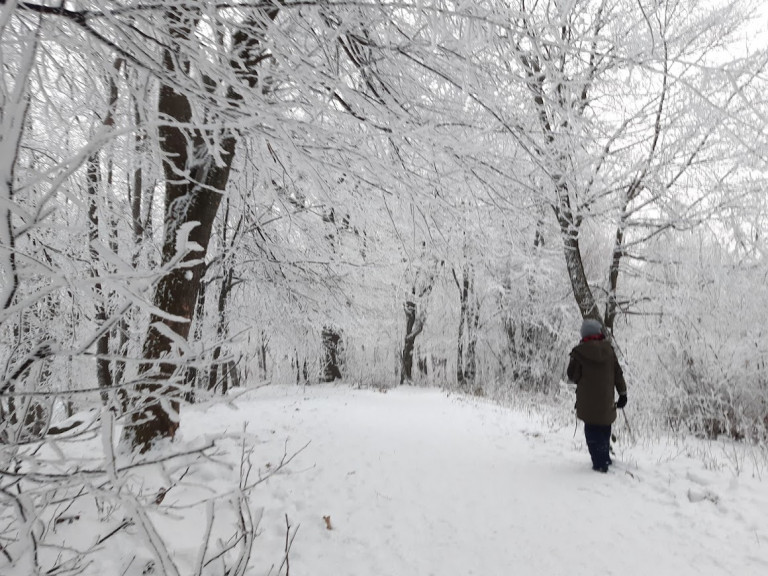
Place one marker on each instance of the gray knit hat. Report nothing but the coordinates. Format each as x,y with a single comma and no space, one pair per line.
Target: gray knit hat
590,327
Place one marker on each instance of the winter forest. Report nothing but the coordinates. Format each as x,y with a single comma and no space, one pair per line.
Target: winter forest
198,199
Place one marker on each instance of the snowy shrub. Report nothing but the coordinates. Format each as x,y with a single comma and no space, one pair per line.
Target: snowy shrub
703,351
712,400
536,353
535,331
75,504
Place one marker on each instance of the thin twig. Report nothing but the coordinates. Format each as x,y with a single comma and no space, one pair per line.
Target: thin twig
206,538
124,524
288,546
287,534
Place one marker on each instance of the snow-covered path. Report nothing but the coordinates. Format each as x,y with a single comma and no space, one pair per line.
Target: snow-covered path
419,483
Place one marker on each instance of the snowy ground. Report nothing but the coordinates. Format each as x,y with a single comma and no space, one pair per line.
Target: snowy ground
412,482
417,482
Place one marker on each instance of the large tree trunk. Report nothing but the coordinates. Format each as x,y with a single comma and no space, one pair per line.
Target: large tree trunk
536,77
611,307
569,230
415,313
413,327
176,295
331,355
191,204
194,185
469,321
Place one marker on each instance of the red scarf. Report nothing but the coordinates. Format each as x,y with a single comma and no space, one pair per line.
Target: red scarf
593,337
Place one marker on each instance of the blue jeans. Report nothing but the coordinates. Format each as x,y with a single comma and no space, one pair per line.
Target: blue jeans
599,444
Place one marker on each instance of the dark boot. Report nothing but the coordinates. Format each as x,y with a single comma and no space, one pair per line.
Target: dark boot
599,444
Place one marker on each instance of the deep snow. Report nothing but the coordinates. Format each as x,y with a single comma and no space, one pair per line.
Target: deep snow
418,482
414,482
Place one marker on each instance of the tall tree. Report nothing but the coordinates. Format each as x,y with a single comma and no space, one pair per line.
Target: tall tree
623,164
197,164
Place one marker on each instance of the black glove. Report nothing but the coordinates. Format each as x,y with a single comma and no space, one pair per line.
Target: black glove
622,401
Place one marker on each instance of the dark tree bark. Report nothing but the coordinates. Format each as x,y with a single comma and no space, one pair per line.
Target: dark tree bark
194,185
302,370
611,307
415,312
413,327
469,321
186,201
569,231
263,348
331,355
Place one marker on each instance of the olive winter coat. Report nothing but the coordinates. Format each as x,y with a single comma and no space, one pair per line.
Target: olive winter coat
596,371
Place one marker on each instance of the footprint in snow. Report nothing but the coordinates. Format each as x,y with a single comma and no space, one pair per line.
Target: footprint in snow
699,495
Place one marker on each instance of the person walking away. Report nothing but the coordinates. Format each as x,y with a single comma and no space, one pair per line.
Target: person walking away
594,368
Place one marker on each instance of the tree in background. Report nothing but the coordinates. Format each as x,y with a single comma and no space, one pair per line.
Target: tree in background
630,99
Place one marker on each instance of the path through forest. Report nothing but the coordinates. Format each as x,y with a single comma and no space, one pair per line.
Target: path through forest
418,482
